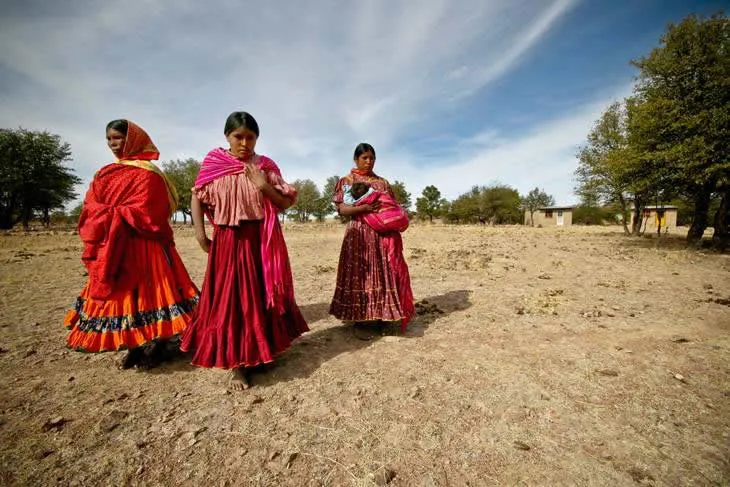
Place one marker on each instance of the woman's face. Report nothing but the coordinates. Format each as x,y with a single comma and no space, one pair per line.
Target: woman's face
115,140
242,142
365,161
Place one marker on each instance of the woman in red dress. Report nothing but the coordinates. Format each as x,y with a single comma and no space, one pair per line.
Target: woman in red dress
138,291
247,313
373,283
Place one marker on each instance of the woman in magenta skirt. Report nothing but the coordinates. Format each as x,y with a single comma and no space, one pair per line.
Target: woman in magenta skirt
247,313
373,283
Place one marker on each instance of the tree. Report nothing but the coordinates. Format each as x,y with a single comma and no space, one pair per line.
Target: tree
535,199
182,175
325,206
76,212
321,208
33,176
402,196
608,168
502,204
429,204
584,214
497,204
308,200
463,209
685,106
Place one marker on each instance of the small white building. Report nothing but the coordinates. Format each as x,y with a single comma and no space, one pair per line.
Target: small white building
550,216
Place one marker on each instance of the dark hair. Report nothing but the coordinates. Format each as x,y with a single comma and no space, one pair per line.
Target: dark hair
358,190
362,148
240,120
120,125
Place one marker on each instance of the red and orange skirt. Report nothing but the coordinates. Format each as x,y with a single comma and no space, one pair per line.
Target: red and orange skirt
155,300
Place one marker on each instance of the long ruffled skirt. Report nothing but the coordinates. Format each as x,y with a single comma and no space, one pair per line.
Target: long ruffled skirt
154,300
373,282
232,327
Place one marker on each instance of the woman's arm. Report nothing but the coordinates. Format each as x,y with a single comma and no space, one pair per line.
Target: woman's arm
196,209
349,210
282,202
258,177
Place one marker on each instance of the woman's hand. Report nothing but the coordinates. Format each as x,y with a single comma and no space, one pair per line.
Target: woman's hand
256,175
348,210
370,207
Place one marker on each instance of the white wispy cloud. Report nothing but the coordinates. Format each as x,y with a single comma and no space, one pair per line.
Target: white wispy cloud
319,76
543,156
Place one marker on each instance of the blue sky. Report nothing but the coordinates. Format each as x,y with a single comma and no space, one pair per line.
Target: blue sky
450,93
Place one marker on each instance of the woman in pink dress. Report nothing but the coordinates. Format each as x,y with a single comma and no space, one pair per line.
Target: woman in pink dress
373,283
247,313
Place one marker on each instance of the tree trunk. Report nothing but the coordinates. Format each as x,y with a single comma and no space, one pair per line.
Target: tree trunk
26,217
532,218
699,220
721,235
624,214
636,226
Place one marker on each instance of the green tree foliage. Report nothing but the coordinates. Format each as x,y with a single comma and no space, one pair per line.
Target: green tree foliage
608,166
593,215
429,204
182,174
463,209
683,122
34,179
328,192
402,196
503,205
75,214
537,198
496,204
325,206
309,200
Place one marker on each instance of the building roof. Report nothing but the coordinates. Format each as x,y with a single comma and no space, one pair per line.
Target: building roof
556,208
660,207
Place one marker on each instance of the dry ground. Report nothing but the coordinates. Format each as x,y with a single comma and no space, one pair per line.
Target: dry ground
539,357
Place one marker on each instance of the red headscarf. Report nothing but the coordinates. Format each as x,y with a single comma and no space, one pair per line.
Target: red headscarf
138,151
139,145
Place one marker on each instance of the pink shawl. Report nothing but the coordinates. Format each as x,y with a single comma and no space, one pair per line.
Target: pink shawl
390,218
277,271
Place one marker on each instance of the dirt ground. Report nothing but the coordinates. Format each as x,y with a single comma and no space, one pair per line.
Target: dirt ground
538,357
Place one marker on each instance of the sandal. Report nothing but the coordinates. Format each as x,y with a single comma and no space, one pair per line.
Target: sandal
361,331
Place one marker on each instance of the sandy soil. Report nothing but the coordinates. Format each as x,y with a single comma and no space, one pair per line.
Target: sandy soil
539,357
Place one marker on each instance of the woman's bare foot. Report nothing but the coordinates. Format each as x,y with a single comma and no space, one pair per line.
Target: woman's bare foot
240,379
132,359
